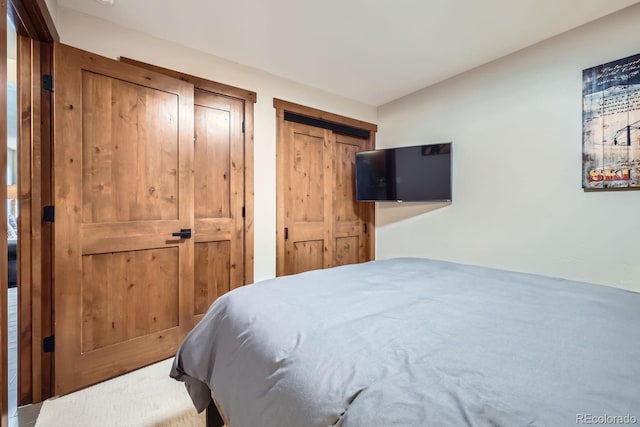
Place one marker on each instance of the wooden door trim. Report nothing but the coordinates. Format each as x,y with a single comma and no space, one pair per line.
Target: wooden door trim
290,107
29,281
198,82
250,98
368,211
33,20
281,166
4,387
249,246
35,303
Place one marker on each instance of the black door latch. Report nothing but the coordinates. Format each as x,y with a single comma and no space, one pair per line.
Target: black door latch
184,233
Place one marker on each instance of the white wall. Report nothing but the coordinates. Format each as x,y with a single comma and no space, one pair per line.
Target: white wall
517,198
109,40
52,5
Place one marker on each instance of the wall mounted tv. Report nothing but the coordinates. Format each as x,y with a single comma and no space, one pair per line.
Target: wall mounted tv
409,174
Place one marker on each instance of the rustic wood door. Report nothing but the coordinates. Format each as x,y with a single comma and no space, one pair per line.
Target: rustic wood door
350,217
223,190
123,154
307,179
323,224
219,197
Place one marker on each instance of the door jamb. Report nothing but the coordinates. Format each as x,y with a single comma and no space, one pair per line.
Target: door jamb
33,21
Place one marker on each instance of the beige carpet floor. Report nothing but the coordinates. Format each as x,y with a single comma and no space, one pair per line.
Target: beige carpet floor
147,397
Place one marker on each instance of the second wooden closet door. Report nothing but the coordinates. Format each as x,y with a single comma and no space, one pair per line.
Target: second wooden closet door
219,197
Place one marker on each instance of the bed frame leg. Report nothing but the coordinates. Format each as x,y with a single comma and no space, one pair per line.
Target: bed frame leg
213,416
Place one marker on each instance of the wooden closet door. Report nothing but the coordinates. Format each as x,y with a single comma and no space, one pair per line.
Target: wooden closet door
307,181
320,223
123,154
350,216
219,195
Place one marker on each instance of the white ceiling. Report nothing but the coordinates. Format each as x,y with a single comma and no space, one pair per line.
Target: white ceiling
373,51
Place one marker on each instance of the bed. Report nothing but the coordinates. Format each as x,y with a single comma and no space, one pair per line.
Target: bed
415,342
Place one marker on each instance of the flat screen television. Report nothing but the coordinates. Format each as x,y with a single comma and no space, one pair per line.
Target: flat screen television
410,174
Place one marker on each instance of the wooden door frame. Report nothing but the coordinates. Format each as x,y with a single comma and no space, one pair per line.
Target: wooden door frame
249,98
32,20
36,30
34,235
283,107
4,367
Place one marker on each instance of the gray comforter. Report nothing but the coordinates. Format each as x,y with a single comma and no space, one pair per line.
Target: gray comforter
415,342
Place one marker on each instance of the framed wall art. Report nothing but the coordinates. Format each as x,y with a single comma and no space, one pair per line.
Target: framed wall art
611,125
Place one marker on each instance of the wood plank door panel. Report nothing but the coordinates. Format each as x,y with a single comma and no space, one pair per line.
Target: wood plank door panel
123,153
348,214
307,198
219,197
223,106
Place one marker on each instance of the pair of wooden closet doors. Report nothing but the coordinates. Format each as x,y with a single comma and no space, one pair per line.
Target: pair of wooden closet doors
153,197
320,223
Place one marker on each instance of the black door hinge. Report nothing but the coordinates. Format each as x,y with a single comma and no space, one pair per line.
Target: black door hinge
49,344
48,214
243,212
243,126
365,228
47,82
286,233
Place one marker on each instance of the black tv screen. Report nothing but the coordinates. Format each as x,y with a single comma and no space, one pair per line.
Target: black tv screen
411,174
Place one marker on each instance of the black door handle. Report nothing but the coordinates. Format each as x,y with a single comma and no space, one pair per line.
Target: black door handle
184,233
